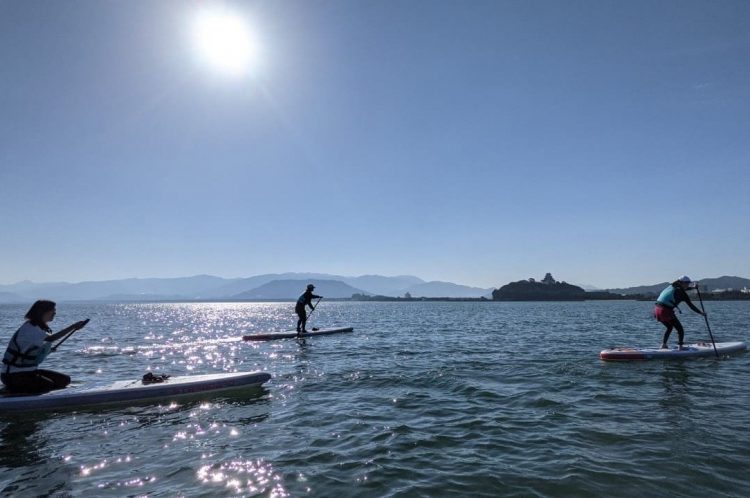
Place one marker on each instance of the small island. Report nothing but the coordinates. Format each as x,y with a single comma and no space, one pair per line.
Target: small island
548,289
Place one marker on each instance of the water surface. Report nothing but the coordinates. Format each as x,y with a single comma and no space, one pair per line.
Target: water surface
423,399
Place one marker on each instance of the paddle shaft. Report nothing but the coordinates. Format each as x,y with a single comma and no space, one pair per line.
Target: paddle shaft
54,348
314,308
697,288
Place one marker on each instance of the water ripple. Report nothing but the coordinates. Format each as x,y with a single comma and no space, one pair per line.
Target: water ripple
423,399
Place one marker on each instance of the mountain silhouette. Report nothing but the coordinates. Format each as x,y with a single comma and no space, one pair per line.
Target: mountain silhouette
292,289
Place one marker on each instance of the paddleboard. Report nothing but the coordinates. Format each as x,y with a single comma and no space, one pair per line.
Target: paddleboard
293,333
133,391
696,350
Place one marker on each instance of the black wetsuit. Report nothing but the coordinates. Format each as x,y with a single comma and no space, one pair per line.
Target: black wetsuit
303,301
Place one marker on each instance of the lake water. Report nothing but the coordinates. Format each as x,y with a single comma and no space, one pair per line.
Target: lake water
423,399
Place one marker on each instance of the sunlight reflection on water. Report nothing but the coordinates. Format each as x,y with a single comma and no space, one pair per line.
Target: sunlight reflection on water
249,476
477,399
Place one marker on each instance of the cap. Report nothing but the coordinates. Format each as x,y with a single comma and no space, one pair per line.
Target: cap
685,279
310,286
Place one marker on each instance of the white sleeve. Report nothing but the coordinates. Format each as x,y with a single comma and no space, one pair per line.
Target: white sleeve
30,336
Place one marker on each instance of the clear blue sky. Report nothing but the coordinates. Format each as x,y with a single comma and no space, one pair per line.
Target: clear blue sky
480,142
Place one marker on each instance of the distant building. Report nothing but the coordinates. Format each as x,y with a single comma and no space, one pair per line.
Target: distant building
548,279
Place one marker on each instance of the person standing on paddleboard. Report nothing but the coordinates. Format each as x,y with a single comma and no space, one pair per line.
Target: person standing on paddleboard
29,346
666,304
303,301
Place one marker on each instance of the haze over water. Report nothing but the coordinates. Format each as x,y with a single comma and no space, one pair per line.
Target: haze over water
423,399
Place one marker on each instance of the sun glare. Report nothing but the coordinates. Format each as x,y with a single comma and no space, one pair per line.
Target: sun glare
224,40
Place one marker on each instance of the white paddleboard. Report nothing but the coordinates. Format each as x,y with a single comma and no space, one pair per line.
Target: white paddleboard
696,350
293,333
133,391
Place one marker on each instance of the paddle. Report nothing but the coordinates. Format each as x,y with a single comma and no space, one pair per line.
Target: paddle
697,288
313,311
83,324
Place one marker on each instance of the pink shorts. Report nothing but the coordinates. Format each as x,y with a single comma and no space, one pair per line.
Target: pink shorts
664,314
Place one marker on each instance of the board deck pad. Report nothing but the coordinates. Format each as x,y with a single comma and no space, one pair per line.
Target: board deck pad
293,333
133,391
695,350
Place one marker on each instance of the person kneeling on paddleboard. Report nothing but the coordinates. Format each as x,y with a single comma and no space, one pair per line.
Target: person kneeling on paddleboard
666,304
29,346
305,300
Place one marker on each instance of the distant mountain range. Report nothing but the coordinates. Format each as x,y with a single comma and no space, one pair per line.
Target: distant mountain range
446,289
288,289
276,286
260,287
707,284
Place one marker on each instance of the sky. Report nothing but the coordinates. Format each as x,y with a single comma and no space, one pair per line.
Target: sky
477,142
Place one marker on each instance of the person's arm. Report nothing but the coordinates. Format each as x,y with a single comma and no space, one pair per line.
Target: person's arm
690,304
58,335
66,331
309,301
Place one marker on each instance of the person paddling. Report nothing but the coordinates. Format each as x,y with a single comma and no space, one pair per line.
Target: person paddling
29,346
303,301
666,304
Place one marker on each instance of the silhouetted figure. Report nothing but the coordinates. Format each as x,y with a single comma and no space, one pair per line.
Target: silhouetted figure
303,301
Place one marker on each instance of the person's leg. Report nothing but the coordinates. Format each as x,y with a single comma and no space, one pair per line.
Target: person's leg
680,332
301,317
28,382
58,380
666,335
304,321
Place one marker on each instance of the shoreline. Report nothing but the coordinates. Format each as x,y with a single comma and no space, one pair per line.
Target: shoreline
375,300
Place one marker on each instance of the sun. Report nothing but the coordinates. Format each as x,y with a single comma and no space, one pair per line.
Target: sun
224,41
